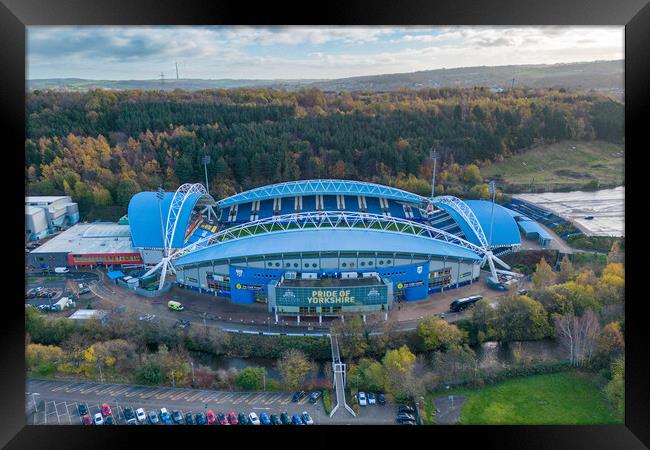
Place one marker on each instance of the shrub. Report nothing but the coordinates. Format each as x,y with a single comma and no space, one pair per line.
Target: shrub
327,401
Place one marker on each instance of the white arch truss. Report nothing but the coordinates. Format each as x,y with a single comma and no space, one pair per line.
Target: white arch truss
467,214
180,196
327,219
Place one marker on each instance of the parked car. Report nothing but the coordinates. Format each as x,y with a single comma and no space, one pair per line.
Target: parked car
314,396
164,416
298,396
140,415
296,420
371,398
284,418
188,418
362,399
200,419
99,419
381,399
405,422
232,418
83,409
406,416
86,420
176,417
108,420
275,419
153,417
84,291
105,409
211,417
130,416
306,418
406,409
242,419
222,419
253,419
522,292
264,419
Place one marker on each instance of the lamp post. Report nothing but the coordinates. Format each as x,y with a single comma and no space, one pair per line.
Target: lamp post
192,365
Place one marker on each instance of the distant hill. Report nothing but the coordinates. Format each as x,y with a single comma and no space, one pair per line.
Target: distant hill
604,76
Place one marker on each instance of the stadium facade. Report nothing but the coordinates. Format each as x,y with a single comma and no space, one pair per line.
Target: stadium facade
319,247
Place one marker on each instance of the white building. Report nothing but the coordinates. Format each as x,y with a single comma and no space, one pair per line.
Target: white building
47,214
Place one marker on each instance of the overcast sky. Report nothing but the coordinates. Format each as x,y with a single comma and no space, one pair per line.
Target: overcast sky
119,53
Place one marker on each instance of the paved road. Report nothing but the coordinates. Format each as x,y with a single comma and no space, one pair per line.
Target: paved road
57,402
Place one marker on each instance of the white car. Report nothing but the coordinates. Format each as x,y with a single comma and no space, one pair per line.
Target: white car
372,400
306,418
254,420
140,415
362,399
99,420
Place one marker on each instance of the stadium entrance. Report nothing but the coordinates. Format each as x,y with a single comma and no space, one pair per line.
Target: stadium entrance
330,295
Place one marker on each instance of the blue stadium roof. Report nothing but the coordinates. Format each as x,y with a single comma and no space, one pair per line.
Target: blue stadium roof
529,226
144,219
320,187
326,239
504,228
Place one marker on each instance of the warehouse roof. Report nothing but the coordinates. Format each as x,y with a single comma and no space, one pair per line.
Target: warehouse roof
91,238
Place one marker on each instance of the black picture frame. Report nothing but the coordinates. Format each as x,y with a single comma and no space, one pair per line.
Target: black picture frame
15,15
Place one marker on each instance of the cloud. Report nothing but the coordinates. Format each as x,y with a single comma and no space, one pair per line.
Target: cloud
111,52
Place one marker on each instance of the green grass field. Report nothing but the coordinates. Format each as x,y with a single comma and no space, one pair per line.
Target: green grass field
561,166
566,398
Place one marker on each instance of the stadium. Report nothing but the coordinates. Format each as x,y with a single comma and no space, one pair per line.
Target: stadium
319,247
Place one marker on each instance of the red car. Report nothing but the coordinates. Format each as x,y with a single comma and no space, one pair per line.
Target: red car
232,418
105,409
86,420
211,417
222,419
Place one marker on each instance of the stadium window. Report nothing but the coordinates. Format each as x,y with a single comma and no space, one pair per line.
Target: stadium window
295,264
288,264
388,261
306,264
277,264
381,262
351,264
313,265
269,263
344,264
370,263
363,263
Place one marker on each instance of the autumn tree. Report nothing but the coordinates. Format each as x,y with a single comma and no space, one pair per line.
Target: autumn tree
566,270
544,275
398,367
437,334
351,337
251,378
294,366
610,343
615,254
578,334
615,389
518,317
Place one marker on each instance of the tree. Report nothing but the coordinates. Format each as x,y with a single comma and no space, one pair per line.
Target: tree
352,341
615,254
472,174
578,334
437,334
544,275
294,368
398,366
458,362
43,359
518,317
610,343
251,378
566,270
615,389
126,188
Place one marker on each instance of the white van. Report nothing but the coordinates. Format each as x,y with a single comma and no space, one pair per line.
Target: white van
61,270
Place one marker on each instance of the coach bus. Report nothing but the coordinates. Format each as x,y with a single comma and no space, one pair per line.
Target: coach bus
462,303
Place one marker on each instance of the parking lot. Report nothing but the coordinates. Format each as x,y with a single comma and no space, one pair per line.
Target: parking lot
57,403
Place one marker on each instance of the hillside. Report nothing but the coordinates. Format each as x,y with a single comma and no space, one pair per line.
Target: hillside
603,76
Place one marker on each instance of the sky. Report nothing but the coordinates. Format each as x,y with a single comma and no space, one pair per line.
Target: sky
214,52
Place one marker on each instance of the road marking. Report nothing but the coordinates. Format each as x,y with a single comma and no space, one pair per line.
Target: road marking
100,391
179,396
273,398
59,388
193,397
241,398
163,395
120,391
133,393
75,388
147,394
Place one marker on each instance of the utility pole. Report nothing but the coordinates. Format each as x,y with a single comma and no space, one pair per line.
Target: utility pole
176,71
192,364
162,81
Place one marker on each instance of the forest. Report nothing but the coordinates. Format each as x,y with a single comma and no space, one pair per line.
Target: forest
102,146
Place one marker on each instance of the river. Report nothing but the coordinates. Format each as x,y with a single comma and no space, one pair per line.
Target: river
607,206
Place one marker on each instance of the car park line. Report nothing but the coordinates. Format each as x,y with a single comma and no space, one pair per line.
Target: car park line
272,398
163,395
119,391
193,397
73,387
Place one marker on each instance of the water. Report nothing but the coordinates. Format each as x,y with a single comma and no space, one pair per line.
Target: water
226,363
607,206
492,355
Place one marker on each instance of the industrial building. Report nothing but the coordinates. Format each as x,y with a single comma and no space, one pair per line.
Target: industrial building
319,247
47,214
89,245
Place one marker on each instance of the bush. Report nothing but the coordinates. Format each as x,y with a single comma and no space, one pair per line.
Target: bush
327,401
